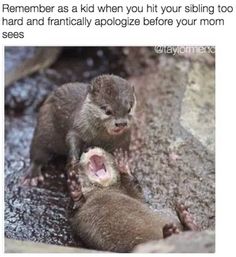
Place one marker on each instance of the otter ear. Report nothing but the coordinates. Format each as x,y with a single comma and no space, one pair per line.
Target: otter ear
93,89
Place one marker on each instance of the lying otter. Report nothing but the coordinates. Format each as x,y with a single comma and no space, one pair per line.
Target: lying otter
113,215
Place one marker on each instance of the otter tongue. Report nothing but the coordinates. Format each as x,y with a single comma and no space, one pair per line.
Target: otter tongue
101,173
98,166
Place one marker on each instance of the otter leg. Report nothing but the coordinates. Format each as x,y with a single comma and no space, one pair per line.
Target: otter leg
170,229
186,218
39,157
75,145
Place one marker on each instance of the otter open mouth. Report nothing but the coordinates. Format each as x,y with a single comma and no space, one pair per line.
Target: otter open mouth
97,166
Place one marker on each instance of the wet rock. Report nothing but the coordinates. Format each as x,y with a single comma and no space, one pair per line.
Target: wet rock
22,61
30,213
37,214
27,95
187,242
74,64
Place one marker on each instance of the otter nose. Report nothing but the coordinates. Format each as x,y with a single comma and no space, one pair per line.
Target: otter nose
121,124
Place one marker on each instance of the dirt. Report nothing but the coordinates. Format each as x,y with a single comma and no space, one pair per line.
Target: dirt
171,163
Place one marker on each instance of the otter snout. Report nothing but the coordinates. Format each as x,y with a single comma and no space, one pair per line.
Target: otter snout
121,124
118,126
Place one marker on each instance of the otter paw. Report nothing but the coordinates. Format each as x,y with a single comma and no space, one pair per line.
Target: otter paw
73,182
75,193
30,180
122,161
186,217
72,174
170,229
74,189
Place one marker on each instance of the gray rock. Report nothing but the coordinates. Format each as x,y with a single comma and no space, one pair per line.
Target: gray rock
171,163
17,246
198,106
22,61
187,242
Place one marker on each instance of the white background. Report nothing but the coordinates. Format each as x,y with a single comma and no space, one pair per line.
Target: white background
224,40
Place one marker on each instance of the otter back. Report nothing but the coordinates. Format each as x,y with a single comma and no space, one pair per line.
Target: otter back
112,221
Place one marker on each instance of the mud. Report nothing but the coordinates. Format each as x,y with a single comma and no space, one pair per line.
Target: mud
171,163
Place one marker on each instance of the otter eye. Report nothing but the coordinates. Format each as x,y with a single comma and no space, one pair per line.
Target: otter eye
103,108
107,110
129,110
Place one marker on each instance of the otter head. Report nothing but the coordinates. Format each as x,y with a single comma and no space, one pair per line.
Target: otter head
97,168
114,99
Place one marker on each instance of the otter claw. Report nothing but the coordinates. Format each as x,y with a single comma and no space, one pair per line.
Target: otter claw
170,229
32,181
186,218
122,161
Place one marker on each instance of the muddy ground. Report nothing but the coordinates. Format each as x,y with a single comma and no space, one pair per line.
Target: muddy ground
172,145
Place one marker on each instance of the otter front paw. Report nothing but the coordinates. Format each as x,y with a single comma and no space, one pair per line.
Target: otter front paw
28,180
170,229
122,161
186,217
34,176
74,189
73,184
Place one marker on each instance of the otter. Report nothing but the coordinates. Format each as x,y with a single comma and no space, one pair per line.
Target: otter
113,215
78,115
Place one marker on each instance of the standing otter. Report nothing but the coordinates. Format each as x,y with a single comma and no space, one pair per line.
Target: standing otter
76,116
113,215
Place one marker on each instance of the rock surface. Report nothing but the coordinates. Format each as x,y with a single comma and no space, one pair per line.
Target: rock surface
171,163
22,61
187,242
198,106
15,246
